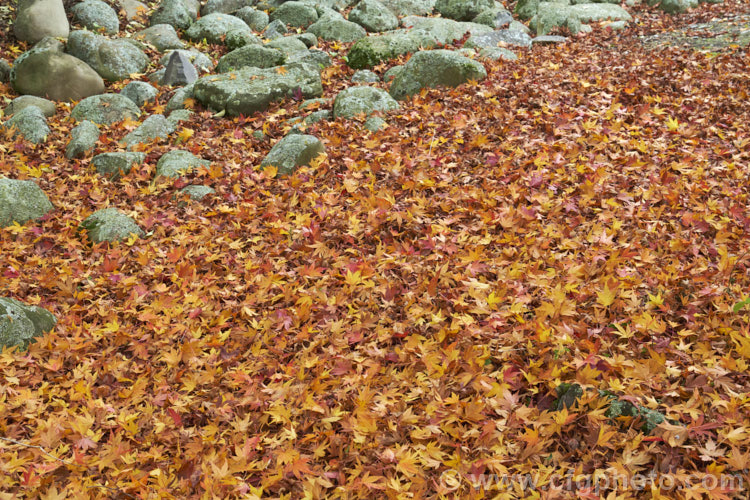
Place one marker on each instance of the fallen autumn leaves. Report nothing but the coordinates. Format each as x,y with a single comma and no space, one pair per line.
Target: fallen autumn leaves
408,306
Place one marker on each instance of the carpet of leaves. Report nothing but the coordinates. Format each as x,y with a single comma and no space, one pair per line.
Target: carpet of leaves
395,319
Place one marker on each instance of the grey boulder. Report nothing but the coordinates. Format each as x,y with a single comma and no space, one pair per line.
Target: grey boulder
84,137
410,7
114,165
178,162
161,36
197,192
21,201
139,92
224,6
496,18
179,14
105,109
251,56
37,19
419,33
21,323
338,29
113,59
96,15
462,10
364,76
30,123
434,68
257,20
24,101
253,89
499,38
292,152
109,224
295,14
214,28
154,127
45,71
551,15
600,12
364,99
373,16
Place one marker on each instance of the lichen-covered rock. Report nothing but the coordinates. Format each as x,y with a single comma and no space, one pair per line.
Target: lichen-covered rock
317,58
317,116
496,17
600,12
178,162
45,71
139,92
308,39
84,137
105,109
96,15
214,27
257,20
295,14
251,56
675,6
462,10
292,152
391,74
30,123
4,71
275,29
497,53
179,115
37,19
197,192
239,38
526,9
177,13
551,15
410,7
499,38
335,29
288,45
375,123
362,99
373,16
21,201
161,36
114,165
433,68
224,6
20,323
154,127
133,9
177,102
424,33
253,89
364,76
109,224
114,59
24,101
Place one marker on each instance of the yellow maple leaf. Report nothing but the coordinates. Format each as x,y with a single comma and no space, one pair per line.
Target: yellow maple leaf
185,135
281,70
673,124
607,296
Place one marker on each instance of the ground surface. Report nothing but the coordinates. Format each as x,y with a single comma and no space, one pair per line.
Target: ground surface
393,322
